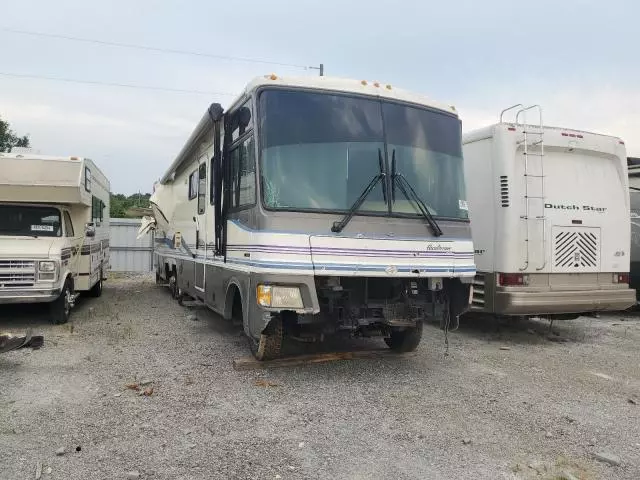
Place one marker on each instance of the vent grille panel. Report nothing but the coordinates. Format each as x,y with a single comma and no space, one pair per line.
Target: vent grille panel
576,249
478,299
504,190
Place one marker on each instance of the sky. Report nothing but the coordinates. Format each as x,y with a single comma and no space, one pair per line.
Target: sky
580,60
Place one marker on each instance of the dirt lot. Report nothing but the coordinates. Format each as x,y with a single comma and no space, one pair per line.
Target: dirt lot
507,402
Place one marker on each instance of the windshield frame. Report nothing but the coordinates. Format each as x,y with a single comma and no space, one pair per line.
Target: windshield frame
388,212
35,206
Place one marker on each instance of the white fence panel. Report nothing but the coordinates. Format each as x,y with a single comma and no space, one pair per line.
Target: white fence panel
129,254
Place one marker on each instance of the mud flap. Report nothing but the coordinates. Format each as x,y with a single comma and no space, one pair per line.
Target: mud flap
459,300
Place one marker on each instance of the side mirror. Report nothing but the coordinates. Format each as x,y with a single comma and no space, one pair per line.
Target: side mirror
90,230
243,117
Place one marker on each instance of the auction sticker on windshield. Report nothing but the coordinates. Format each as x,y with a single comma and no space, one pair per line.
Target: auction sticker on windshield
42,228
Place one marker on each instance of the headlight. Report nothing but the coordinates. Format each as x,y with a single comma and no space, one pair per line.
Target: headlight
47,266
275,296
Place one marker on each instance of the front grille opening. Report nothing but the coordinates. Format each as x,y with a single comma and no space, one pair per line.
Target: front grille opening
17,273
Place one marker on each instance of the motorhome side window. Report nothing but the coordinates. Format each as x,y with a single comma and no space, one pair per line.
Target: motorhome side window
87,179
243,174
96,209
202,188
68,225
193,185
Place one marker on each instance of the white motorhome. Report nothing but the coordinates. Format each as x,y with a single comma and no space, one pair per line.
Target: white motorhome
550,213
319,205
54,230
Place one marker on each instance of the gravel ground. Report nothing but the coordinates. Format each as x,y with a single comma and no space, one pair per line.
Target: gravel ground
509,401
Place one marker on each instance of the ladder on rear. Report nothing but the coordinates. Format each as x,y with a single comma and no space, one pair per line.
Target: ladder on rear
532,142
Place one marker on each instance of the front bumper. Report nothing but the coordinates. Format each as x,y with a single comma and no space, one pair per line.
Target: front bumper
557,302
32,295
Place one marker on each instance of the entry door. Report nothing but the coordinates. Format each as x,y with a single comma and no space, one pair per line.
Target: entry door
201,226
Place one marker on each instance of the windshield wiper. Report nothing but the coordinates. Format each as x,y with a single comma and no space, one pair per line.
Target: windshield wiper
410,194
339,226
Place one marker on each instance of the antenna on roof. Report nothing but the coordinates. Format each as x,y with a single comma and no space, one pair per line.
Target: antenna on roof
320,68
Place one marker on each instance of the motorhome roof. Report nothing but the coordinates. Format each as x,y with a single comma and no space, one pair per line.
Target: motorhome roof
485,132
331,84
346,85
41,157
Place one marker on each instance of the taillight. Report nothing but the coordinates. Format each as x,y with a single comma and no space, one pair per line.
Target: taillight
620,278
512,279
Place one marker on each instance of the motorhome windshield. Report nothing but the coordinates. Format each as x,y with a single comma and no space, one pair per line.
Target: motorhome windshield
30,221
318,152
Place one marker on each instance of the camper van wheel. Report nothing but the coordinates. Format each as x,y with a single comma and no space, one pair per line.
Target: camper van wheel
61,307
405,340
269,344
96,290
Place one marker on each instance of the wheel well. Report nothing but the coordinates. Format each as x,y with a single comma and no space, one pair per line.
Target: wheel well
69,279
233,303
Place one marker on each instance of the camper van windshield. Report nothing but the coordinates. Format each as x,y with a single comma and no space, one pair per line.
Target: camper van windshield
320,150
30,221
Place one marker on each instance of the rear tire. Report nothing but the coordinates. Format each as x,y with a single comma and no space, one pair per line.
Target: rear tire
405,340
96,290
269,345
172,285
60,308
176,292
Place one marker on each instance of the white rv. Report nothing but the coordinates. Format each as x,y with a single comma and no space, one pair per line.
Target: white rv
54,230
313,206
550,213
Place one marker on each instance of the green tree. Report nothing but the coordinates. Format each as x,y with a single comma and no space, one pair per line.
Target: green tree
121,204
8,139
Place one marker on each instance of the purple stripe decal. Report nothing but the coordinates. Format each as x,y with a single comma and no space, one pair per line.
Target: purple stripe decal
342,251
367,254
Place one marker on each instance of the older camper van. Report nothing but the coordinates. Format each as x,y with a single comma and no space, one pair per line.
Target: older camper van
550,210
54,230
314,206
